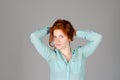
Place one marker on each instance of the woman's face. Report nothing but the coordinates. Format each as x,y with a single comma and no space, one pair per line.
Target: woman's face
60,40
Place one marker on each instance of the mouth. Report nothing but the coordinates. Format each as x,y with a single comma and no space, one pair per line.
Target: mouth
58,44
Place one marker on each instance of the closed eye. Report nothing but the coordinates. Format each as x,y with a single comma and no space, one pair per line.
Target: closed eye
61,36
55,37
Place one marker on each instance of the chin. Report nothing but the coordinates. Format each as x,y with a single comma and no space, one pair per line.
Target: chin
58,48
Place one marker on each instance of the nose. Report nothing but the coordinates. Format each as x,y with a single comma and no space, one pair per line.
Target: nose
57,40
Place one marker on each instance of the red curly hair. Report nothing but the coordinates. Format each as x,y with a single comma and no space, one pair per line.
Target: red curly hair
66,28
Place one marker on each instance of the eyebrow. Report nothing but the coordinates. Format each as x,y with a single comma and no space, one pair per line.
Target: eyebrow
59,35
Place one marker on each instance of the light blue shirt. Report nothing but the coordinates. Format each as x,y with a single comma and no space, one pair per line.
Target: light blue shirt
60,69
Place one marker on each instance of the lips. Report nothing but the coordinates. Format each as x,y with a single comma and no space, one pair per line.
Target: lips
58,44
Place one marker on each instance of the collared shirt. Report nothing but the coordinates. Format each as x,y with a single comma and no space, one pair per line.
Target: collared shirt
60,68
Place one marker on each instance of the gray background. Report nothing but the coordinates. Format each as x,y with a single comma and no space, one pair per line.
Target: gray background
18,18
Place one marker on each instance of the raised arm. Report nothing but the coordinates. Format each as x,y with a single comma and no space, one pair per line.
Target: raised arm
36,39
93,38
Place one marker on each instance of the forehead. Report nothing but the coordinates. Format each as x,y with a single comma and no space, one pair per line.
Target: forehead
58,32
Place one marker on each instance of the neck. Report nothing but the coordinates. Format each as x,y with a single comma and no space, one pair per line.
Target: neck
66,51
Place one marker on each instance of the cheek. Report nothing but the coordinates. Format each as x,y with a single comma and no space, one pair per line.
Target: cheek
65,41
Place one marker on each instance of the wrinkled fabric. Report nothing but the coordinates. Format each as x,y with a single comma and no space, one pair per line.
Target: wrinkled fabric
60,68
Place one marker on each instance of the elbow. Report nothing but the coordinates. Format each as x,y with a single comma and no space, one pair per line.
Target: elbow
96,37
31,35
33,38
100,37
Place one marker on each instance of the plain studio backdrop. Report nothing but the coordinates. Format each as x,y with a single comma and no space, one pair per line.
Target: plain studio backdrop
19,60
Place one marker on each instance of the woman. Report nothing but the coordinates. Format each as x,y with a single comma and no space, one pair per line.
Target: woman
65,64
